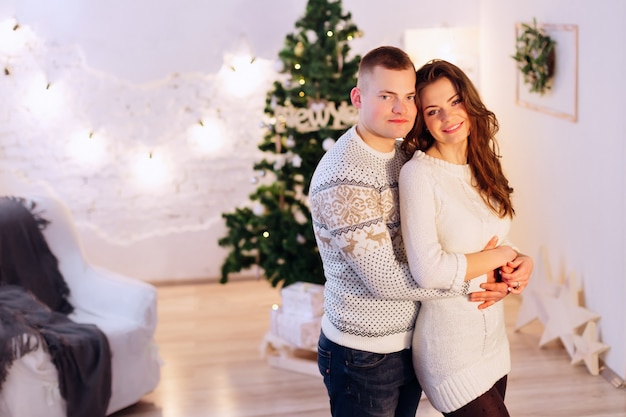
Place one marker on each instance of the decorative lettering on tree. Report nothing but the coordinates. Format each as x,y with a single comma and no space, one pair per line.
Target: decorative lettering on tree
315,117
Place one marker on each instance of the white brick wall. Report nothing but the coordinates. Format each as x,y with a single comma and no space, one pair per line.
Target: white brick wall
167,231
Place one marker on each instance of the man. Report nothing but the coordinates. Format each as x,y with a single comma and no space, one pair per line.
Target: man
371,300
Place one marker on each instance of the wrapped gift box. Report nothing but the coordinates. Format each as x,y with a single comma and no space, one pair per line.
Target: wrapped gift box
297,330
303,299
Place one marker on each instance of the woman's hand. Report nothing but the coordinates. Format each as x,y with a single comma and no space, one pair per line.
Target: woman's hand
516,273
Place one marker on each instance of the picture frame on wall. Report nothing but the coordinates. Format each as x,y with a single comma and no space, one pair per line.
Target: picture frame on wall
562,98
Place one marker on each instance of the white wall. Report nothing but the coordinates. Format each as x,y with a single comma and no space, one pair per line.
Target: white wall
139,74
569,177
144,40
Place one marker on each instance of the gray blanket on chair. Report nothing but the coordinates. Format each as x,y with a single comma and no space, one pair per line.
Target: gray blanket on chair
80,352
33,312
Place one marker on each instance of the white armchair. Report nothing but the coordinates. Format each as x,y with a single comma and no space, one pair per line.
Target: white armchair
124,309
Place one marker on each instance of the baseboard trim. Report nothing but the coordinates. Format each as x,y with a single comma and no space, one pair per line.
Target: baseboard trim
612,377
207,280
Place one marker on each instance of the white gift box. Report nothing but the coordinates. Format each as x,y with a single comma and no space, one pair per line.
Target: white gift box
297,330
303,299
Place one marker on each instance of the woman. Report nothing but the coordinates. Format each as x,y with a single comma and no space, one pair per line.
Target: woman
453,199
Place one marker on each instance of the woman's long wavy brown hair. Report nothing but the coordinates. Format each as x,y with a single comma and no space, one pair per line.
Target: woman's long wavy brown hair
482,150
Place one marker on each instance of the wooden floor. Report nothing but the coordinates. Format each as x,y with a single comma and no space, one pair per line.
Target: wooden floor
210,335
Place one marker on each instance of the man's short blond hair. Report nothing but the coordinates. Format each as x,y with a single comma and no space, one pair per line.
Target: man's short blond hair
388,57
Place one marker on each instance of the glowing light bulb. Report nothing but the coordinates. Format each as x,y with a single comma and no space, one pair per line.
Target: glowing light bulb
152,170
241,74
208,136
44,99
13,38
87,148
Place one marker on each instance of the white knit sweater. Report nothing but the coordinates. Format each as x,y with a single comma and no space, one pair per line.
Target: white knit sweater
370,298
459,352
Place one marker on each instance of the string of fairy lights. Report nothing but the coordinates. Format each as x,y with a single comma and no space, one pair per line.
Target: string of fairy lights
44,96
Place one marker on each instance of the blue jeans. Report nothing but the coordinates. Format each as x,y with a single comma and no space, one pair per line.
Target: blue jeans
366,384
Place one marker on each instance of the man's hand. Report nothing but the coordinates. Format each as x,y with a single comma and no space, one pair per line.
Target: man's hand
494,292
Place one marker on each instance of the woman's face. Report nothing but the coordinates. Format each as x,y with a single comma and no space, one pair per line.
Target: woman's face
444,112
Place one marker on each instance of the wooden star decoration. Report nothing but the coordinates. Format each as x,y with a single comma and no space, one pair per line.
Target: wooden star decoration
573,289
564,317
540,284
587,348
530,310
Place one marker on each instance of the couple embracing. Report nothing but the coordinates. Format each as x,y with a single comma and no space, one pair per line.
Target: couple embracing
417,307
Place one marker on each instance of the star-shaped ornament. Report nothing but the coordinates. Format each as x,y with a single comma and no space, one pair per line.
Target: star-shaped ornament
587,348
564,317
540,285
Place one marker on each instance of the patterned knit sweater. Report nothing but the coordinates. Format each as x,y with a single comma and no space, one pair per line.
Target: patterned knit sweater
459,352
370,299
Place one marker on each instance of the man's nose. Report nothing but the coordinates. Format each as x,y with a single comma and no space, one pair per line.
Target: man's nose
399,106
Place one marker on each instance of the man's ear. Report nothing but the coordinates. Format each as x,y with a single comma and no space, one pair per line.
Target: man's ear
355,97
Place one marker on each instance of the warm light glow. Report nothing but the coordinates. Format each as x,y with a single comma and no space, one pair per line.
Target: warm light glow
459,45
87,148
241,75
13,37
208,136
44,100
151,170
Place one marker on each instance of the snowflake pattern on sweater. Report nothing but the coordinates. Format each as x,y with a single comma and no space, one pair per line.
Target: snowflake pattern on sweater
370,299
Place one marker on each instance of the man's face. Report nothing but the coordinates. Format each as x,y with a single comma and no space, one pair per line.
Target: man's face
386,102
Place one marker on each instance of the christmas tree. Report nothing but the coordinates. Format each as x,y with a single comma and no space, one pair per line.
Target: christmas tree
304,112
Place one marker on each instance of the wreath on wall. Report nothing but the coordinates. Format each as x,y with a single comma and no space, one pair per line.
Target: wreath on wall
535,56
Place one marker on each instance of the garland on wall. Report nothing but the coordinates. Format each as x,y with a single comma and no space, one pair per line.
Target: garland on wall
137,161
